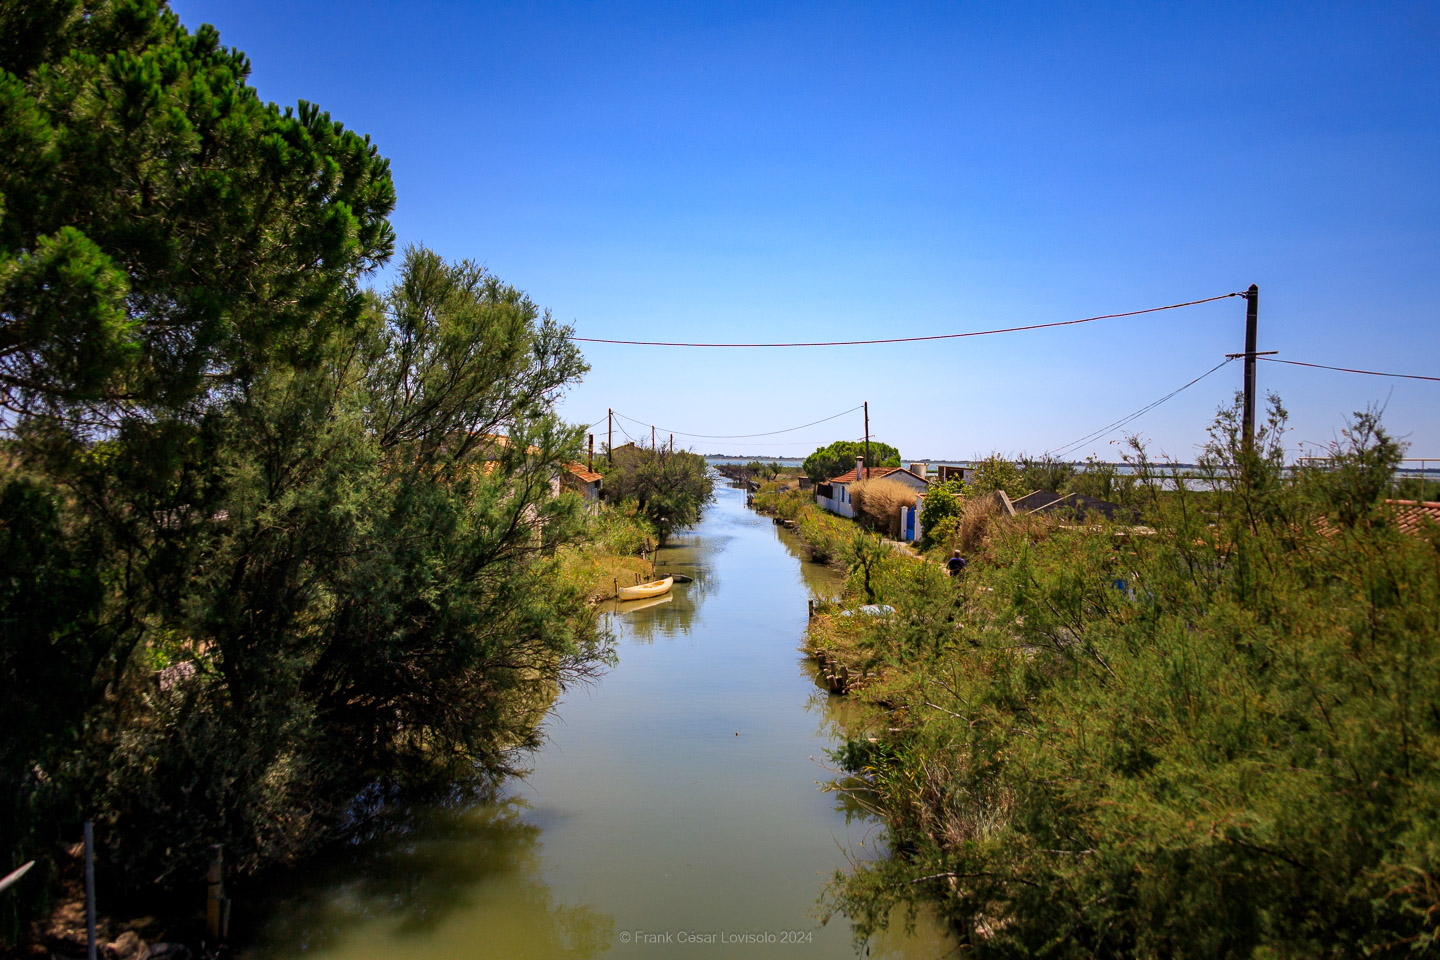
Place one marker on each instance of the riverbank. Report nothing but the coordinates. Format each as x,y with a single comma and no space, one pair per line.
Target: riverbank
676,793
1157,744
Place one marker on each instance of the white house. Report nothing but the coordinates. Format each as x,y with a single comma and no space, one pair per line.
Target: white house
834,495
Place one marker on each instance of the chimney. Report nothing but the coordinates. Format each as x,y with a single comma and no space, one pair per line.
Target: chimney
590,460
859,469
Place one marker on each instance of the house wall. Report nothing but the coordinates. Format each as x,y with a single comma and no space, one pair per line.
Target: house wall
840,503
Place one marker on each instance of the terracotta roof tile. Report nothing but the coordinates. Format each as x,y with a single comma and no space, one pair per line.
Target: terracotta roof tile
871,473
1411,516
580,473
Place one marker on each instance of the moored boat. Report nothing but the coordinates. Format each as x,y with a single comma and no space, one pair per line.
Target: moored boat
641,591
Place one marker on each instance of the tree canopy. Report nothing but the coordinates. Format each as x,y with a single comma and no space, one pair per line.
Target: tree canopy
266,538
165,230
670,488
1219,740
826,463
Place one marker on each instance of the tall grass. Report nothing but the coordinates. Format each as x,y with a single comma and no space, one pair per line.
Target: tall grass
879,503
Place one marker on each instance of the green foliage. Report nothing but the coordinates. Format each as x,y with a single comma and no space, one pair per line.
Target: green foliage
1103,481
826,535
1416,488
786,504
1219,740
164,229
1044,473
995,473
942,502
621,532
266,539
669,489
826,463
764,471
351,564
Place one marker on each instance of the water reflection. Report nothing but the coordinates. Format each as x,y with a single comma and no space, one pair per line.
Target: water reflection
441,877
677,794
672,615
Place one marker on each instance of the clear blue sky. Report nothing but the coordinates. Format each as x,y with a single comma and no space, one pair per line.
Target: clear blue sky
766,172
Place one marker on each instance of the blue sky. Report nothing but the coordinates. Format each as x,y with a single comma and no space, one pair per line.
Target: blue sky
764,172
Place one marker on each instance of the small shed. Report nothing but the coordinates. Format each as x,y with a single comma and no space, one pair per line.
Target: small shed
586,482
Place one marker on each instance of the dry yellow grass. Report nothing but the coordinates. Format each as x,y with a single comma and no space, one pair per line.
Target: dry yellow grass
881,500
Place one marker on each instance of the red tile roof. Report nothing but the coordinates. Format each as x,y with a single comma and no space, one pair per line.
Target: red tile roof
1411,516
580,473
871,473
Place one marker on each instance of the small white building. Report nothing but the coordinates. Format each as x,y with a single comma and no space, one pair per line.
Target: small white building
834,495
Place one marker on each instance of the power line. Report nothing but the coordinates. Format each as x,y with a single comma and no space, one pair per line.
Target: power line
1109,428
740,436
938,336
1373,373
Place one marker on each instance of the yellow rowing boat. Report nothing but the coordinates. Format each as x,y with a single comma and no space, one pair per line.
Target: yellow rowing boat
642,590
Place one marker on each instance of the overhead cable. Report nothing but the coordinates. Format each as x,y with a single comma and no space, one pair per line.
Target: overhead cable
741,436
938,336
1372,373
1110,428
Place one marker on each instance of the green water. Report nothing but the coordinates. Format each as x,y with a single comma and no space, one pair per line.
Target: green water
674,811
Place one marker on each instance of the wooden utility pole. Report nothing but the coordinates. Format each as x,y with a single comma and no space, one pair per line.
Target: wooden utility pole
590,458
867,439
652,436
672,443
91,946
610,437
217,907
1252,316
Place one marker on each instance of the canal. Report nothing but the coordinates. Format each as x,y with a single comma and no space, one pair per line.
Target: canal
674,810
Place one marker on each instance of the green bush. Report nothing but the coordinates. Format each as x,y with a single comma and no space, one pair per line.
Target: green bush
786,504
838,458
1218,740
942,503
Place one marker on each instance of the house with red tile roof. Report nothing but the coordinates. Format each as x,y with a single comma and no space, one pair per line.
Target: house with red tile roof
585,481
835,494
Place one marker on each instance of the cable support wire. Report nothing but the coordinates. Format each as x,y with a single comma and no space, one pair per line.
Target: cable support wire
1372,373
937,336
741,436
1112,427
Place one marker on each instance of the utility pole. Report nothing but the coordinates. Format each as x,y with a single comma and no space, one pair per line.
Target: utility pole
91,945
672,443
1252,316
590,458
867,440
652,436
610,437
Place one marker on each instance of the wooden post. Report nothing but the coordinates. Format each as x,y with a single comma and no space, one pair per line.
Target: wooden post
652,436
610,437
215,894
590,458
90,945
1252,316
868,461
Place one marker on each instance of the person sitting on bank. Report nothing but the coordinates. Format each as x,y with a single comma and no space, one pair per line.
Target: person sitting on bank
955,564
